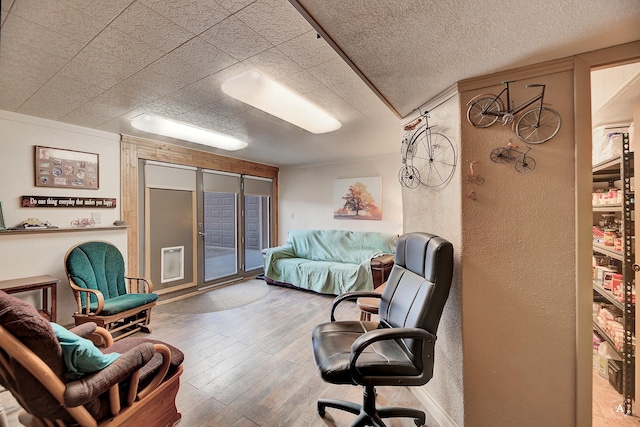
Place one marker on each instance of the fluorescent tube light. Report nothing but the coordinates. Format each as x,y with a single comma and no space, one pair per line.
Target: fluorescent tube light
257,90
161,126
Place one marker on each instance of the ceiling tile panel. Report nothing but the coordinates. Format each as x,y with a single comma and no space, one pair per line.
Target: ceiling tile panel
150,27
16,86
92,58
149,81
5,5
308,50
273,63
232,71
332,73
59,17
86,73
235,38
202,92
102,11
227,106
234,5
192,61
19,30
194,15
168,107
276,20
303,82
26,57
118,44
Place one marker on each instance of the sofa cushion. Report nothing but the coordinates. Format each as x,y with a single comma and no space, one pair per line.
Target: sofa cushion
340,245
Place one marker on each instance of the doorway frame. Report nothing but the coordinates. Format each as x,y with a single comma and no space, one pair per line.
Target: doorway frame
134,149
583,65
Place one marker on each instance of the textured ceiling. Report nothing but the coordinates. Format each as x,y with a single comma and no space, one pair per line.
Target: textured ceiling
411,50
100,63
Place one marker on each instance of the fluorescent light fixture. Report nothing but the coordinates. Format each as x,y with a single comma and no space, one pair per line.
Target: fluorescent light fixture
257,90
161,126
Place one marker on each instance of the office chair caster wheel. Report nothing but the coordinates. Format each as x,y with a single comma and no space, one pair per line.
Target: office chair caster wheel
321,410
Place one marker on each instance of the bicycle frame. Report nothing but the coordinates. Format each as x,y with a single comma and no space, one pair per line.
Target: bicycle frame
520,107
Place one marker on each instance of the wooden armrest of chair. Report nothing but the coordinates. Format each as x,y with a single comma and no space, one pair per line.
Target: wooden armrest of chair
147,285
98,295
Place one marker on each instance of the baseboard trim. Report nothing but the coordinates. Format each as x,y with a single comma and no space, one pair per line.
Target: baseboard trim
433,408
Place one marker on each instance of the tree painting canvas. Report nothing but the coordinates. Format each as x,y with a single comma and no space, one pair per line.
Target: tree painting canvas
358,198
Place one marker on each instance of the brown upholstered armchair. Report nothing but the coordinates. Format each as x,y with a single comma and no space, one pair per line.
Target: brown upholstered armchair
139,387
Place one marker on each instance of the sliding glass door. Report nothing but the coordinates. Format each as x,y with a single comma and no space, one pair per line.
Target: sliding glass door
220,225
257,220
235,225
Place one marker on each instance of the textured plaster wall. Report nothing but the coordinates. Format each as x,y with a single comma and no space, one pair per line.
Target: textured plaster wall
25,255
305,198
518,273
437,210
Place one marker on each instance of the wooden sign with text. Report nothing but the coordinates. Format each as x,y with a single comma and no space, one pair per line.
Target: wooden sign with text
67,202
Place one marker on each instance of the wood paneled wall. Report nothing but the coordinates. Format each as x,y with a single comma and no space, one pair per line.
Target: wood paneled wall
134,149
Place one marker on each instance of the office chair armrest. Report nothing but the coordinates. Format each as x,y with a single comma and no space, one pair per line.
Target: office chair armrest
350,296
368,338
146,288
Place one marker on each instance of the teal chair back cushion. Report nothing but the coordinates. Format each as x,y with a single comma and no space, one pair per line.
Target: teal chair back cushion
97,265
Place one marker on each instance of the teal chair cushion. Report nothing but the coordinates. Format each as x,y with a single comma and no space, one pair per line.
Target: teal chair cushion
123,303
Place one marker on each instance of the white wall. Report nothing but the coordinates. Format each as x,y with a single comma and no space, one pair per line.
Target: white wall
305,198
25,255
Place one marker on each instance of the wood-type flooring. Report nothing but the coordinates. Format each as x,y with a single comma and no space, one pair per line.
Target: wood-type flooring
253,365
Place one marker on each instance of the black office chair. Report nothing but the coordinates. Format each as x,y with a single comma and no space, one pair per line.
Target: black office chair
399,349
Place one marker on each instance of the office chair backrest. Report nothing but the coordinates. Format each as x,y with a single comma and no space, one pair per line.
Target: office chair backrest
97,265
418,286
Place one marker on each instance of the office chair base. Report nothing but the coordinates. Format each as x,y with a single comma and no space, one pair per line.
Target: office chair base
367,413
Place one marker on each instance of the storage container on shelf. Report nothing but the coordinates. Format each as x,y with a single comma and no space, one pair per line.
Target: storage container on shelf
607,142
606,353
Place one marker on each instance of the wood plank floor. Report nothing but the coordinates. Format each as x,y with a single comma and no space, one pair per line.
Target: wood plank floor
252,365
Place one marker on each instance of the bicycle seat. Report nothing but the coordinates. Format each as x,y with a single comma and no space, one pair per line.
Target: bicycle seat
536,85
508,81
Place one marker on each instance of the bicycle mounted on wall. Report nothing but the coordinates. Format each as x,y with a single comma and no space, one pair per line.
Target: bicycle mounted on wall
535,126
428,157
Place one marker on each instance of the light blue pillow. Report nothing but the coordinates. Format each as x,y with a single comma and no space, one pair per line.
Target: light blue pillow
81,356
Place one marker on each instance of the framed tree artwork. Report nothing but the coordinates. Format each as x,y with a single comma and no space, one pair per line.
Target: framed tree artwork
358,198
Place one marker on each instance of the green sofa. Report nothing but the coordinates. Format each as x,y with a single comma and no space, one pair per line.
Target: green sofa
331,261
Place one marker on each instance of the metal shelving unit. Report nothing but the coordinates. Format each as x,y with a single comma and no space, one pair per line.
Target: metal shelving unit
621,168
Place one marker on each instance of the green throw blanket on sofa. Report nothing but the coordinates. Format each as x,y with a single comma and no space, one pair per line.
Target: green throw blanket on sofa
328,261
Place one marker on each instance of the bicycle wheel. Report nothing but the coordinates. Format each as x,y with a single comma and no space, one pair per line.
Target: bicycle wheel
484,110
434,158
525,164
409,177
499,155
536,127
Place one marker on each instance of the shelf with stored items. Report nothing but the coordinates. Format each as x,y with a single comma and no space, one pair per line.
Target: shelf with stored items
613,262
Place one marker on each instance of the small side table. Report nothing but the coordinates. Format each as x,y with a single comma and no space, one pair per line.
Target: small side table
369,306
48,284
